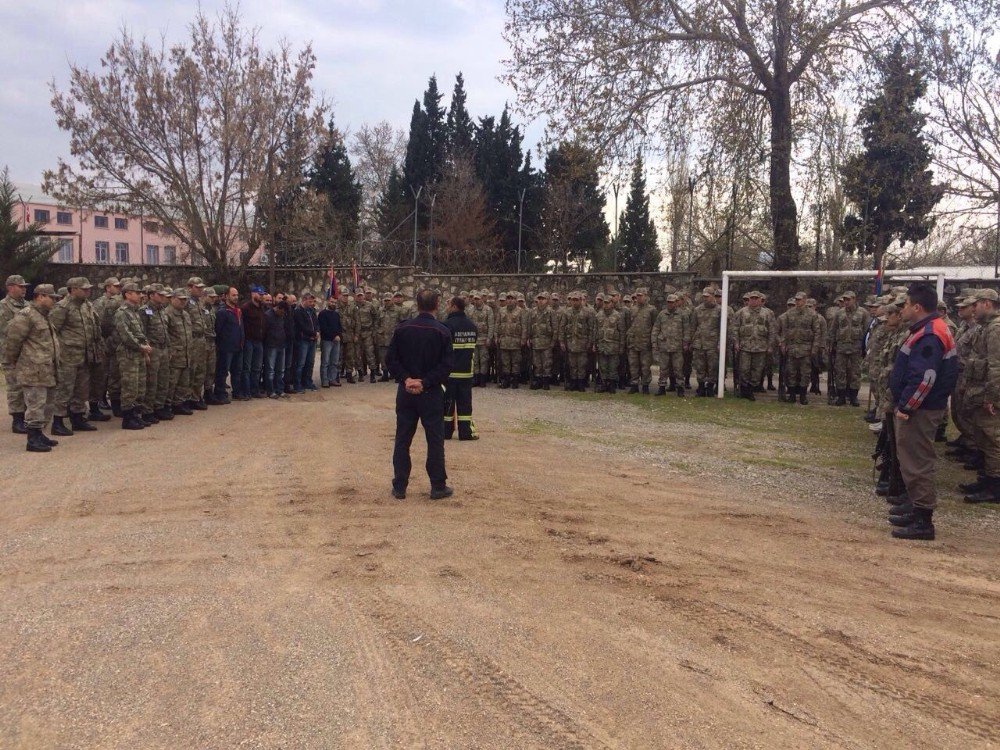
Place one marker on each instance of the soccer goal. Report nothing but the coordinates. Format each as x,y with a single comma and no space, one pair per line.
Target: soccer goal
727,276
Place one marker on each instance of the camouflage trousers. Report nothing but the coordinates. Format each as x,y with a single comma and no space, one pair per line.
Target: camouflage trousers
131,377
706,364
848,370
383,352
211,356
541,361
157,380
350,358
196,376
510,361
98,381
797,371
482,359
15,394
640,361
72,389
752,366
576,364
180,385
114,386
671,366
607,365
367,350
38,405
959,417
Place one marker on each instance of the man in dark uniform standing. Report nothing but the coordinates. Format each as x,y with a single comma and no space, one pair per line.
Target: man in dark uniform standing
420,359
458,393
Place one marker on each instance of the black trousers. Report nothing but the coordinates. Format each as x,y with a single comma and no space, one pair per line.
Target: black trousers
458,399
426,409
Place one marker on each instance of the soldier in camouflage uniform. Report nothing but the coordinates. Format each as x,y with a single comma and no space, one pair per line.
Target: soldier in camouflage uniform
687,307
847,332
965,334
753,338
99,375
558,360
640,346
818,363
31,351
179,333
107,309
543,331
209,299
482,315
10,306
386,326
73,321
153,406
609,341
368,321
512,334
578,333
705,332
196,314
982,394
670,338
349,336
798,332
132,356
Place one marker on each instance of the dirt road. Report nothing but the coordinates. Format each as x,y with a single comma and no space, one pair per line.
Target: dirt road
241,579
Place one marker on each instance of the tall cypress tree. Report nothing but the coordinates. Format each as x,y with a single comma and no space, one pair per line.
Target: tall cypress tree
889,182
459,125
637,245
574,229
333,178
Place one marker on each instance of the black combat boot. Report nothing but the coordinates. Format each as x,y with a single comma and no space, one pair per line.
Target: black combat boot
673,383
514,382
841,398
350,377
196,405
940,436
163,413
770,383
148,418
975,461
80,424
96,415
661,391
35,442
802,396
59,428
201,404
536,384
545,383
505,383
901,515
645,389
853,394
633,389
971,488
181,409
611,387
990,493
130,420
920,528
372,378
680,391
17,425
116,407
882,483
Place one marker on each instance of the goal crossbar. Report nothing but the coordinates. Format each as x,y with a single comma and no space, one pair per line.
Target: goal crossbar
727,275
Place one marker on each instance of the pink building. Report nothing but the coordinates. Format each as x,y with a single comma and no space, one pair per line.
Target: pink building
86,236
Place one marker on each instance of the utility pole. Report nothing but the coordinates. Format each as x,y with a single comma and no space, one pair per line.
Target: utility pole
691,184
416,211
819,230
520,224
430,237
996,255
732,227
615,251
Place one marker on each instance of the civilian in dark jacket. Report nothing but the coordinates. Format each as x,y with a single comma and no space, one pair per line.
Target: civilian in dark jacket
253,342
923,377
305,343
275,342
330,332
291,300
228,345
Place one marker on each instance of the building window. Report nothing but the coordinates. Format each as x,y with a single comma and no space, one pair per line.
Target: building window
100,222
121,223
121,252
65,252
64,217
41,216
152,255
101,252
169,255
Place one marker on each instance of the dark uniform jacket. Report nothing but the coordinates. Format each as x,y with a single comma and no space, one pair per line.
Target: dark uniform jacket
421,348
463,344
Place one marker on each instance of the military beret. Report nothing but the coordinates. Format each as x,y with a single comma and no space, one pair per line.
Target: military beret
111,281
130,286
196,281
987,294
181,293
673,298
16,280
800,295
46,289
62,292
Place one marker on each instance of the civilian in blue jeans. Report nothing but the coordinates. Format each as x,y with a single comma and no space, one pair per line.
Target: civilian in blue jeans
275,341
228,344
306,334
253,347
329,341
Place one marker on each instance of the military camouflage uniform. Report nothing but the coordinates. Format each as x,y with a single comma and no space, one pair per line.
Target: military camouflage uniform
798,332
754,336
73,321
31,350
705,346
670,338
640,346
609,341
153,316
512,334
196,375
368,324
847,334
578,330
543,329
132,362
211,355
482,315
349,336
9,307
180,337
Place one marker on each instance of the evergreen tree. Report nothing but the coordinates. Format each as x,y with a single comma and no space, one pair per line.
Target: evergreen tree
332,178
574,229
23,251
417,169
459,125
889,182
638,249
393,208
531,182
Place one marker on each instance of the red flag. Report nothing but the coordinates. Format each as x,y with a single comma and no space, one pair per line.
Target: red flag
354,274
331,286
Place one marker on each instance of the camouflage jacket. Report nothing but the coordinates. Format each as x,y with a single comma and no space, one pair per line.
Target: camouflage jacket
640,326
9,307
671,330
578,329
798,331
196,315
977,367
349,324
208,313
707,327
609,332
847,331
31,347
129,333
76,326
754,329
387,325
512,328
368,318
154,323
180,336
543,328
485,322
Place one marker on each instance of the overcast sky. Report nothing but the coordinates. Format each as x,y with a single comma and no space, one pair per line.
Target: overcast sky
374,56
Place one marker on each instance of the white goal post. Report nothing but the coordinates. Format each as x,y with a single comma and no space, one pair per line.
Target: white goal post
727,275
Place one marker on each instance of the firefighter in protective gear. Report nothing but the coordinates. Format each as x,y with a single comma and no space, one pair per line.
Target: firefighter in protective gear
458,391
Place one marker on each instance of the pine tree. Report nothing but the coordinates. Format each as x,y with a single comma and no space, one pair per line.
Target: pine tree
638,249
574,229
23,251
459,125
889,182
392,210
333,179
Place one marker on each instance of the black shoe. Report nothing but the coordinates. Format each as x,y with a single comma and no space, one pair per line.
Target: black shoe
645,390
183,410
441,493
468,437
633,389
350,378
96,415
80,424
17,425
841,398
163,414
975,462
680,391
545,383
956,443
47,440
901,519
802,396
148,419
399,494
211,399
514,383
536,384
116,407
920,528
852,394
201,405
989,493
505,384
661,391
131,420
35,443
870,417
770,385
59,428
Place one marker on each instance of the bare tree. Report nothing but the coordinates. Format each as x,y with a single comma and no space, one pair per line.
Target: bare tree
203,136
464,237
375,150
621,71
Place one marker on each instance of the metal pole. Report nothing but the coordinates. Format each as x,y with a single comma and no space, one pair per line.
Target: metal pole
723,333
520,223
996,256
940,286
819,229
615,248
416,208
691,183
430,238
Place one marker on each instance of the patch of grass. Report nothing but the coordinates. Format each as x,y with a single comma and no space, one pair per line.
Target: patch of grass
543,427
